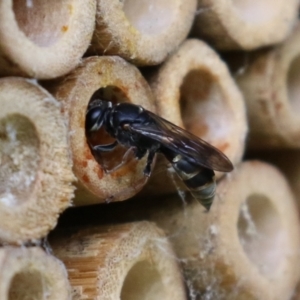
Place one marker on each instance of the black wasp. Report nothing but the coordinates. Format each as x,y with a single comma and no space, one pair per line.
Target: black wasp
146,133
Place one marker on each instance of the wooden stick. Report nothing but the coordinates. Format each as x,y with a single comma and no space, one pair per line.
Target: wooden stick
244,25
142,32
129,261
270,85
113,79
35,167
247,246
29,273
44,39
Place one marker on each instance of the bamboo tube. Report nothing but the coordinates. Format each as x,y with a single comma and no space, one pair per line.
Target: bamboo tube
270,85
243,24
35,167
247,246
29,273
141,31
44,39
110,78
128,261
194,90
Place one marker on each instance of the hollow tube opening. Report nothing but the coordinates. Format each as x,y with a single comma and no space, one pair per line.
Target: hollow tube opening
150,17
293,84
143,281
261,234
43,22
19,158
203,109
29,284
257,11
109,159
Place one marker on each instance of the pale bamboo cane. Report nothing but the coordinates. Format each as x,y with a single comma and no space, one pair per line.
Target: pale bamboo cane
30,273
128,261
44,39
35,166
270,84
245,24
115,80
247,246
194,90
144,32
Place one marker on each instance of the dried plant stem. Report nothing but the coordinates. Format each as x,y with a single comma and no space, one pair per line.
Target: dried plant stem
141,31
29,273
245,24
194,90
44,39
247,246
110,78
129,261
271,88
35,167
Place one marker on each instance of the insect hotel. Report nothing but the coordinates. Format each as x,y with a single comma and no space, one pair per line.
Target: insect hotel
149,150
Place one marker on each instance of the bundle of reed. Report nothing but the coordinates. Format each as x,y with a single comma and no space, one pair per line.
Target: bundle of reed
125,261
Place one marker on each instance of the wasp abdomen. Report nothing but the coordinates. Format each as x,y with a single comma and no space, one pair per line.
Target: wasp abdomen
200,181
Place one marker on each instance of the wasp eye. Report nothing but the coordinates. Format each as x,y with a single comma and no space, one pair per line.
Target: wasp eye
94,119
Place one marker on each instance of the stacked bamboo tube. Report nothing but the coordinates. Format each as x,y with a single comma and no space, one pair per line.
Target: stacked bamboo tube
161,242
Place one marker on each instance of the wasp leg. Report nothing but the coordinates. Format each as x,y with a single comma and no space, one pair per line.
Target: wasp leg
105,148
151,154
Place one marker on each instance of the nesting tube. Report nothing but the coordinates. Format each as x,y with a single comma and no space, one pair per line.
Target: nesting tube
30,273
44,39
243,24
112,79
194,90
35,165
127,261
141,31
247,246
270,85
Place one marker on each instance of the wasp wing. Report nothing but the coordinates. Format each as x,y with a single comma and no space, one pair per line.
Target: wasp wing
184,143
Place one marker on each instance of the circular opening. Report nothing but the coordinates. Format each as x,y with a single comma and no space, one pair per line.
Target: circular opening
42,21
203,109
29,285
256,11
109,160
19,158
149,17
293,84
260,233
143,281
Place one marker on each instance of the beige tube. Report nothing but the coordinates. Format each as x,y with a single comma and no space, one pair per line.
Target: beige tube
247,246
29,273
245,24
194,90
141,31
44,39
270,85
35,167
110,78
129,261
